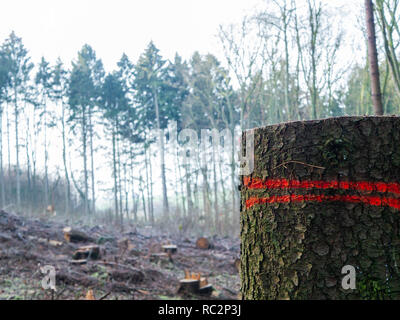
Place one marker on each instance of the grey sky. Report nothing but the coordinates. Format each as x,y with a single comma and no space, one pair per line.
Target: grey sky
60,28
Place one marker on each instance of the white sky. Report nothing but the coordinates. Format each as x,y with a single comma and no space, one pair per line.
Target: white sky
59,28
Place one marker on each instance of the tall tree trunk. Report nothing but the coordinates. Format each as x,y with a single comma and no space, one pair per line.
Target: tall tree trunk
28,164
126,192
85,172
147,183
180,181
93,209
64,155
8,142
46,155
285,21
2,182
17,151
162,156
115,172
143,198
373,59
135,200
33,157
216,206
151,188
188,189
222,182
206,192
119,179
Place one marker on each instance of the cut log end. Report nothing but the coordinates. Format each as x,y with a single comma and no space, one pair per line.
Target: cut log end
203,243
71,235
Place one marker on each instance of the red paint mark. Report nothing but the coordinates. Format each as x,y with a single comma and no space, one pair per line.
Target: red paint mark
374,201
256,183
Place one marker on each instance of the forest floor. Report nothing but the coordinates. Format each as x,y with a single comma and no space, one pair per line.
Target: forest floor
128,267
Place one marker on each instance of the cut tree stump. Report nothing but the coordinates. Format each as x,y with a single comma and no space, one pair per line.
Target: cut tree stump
206,290
155,257
323,195
170,248
189,286
194,284
203,243
72,235
87,252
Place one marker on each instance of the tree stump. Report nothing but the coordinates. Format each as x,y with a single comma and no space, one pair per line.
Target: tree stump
203,243
323,195
170,248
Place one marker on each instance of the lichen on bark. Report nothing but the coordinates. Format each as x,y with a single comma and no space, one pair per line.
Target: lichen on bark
294,249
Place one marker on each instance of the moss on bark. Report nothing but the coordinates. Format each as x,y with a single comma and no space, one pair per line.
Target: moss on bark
296,250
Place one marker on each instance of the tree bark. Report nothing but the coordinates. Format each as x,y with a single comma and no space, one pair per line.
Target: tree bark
85,173
93,208
17,151
323,195
115,174
373,59
2,182
162,156
64,154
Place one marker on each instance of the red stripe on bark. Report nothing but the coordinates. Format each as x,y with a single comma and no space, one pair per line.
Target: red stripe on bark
256,183
374,201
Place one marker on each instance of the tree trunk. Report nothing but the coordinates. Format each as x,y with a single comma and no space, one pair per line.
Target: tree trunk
17,152
162,156
28,167
93,208
216,205
115,174
121,217
2,182
46,175
64,154
323,195
84,142
373,59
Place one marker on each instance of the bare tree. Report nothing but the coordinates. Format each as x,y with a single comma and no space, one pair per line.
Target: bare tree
373,59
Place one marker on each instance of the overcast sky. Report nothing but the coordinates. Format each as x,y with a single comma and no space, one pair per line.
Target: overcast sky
59,28
55,28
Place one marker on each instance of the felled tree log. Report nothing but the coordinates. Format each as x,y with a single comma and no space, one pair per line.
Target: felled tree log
72,235
323,195
87,252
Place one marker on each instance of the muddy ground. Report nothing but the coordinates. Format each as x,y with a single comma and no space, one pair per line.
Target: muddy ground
127,269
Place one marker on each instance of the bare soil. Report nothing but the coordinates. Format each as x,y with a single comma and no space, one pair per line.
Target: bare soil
130,266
